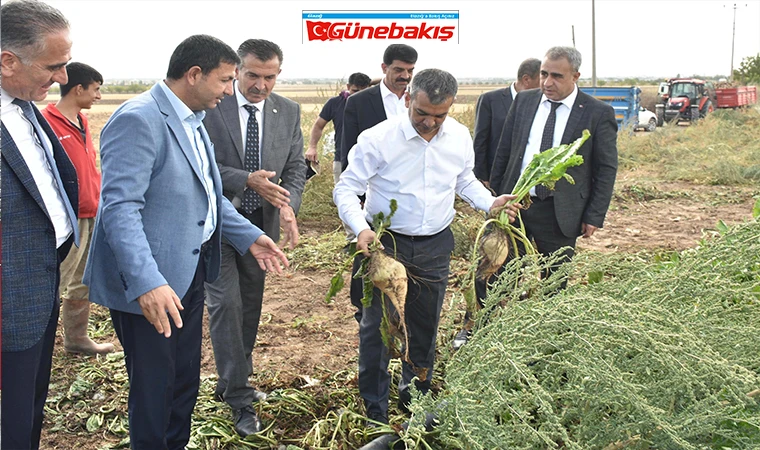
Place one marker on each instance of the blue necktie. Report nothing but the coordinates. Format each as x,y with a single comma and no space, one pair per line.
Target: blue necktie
547,139
251,199
26,108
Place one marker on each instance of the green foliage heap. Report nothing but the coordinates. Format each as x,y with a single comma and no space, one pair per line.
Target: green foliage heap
643,354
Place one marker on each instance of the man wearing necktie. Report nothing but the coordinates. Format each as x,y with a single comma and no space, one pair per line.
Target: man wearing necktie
158,237
259,150
548,117
39,225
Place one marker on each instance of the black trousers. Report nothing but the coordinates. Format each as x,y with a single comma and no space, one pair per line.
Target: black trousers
26,377
164,373
541,225
427,263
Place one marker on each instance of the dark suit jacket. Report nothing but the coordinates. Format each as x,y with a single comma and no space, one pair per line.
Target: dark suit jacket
30,258
587,200
281,152
363,110
490,114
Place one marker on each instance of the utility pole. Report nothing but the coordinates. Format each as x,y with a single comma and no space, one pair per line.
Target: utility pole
733,37
573,29
593,45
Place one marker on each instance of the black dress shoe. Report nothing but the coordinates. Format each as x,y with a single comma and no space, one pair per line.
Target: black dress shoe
376,417
461,338
246,421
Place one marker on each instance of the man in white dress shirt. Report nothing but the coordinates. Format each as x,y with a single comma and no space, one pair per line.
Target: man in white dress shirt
421,160
371,106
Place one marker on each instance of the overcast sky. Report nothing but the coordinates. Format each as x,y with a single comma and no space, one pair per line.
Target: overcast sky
644,38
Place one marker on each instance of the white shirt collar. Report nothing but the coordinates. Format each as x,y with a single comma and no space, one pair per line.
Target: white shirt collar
6,99
385,92
182,110
513,90
568,101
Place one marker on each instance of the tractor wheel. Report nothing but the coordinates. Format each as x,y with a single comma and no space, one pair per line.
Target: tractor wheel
660,113
652,124
708,108
695,114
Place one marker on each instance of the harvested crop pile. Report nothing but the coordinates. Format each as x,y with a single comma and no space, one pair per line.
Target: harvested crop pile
651,353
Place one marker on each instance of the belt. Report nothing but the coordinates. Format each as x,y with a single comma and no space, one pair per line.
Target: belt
418,238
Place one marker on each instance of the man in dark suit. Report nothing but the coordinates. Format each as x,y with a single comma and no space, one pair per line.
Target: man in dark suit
259,150
490,115
491,112
158,236
382,101
369,107
554,115
39,186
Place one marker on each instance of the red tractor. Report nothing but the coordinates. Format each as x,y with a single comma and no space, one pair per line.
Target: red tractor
688,99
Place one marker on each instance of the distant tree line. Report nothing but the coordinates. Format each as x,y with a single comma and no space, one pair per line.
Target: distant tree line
748,71
132,88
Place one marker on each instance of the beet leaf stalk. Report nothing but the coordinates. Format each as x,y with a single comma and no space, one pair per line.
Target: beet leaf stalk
497,238
386,273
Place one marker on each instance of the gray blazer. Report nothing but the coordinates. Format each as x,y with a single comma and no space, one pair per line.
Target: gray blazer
281,151
30,258
490,114
588,199
153,207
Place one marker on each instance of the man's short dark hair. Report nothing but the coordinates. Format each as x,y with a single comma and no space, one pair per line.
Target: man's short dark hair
26,25
261,49
80,73
359,80
530,67
204,51
400,52
439,85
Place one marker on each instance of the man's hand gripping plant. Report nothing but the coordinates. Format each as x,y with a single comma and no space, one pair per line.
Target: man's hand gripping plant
497,238
389,276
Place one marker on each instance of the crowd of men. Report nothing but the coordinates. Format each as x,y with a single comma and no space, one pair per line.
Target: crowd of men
204,173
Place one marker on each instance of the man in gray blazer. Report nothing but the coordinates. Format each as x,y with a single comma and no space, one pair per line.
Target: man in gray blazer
259,150
557,114
158,237
39,225
491,112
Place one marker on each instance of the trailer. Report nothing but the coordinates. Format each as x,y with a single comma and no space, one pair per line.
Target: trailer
624,100
736,97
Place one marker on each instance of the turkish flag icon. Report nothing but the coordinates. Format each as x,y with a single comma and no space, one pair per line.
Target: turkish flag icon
318,31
